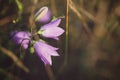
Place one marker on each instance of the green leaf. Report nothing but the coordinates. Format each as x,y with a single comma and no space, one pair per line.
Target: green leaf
20,6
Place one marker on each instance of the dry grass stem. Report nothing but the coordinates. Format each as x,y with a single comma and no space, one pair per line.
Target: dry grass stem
9,75
76,11
14,58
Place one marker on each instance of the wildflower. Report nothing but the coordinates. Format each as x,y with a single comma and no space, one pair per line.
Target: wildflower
43,15
45,51
22,38
51,30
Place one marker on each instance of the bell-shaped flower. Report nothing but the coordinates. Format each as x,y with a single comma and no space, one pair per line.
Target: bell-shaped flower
22,38
43,15
51,30
45,51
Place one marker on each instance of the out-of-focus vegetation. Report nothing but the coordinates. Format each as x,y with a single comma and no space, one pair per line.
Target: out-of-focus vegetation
93,44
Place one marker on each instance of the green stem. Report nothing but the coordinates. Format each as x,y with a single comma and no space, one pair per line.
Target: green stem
66,38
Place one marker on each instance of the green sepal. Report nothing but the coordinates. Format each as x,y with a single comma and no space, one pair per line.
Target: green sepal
32,50
39,32
54,18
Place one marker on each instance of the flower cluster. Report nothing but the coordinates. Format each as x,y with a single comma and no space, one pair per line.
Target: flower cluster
49,30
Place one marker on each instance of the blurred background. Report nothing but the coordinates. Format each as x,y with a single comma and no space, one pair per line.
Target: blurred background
91,52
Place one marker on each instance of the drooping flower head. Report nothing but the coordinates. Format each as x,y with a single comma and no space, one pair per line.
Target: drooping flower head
45,51
51,30
22,38
43,15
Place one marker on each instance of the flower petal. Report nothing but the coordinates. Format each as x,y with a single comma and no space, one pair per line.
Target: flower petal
53,32
46,18
45,51
21,37
46,61
42,53
54,23
41,13
25,46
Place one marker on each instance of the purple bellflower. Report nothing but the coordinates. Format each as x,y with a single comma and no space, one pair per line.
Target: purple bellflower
45,51
22,38
51,30
43,15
